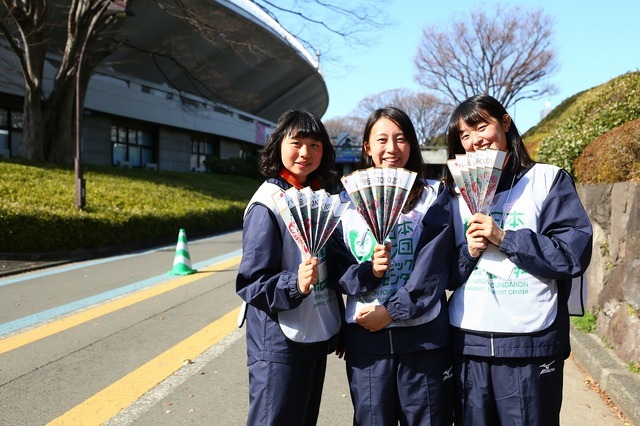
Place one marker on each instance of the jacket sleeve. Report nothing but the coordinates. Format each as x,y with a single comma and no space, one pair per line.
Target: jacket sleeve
428,281
352,278
462,266
462,263
561,247
261,282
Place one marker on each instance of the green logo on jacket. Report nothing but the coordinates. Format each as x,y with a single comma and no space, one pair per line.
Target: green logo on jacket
361,245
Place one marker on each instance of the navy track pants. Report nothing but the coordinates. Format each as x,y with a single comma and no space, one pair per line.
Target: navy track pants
412,389
508,391
285,394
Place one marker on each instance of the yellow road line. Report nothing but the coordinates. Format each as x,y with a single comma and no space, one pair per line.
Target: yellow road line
46,330
111,400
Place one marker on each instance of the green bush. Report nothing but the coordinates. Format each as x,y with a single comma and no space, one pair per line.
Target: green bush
587,323
124,206
612,157
233,166
534,136
592,114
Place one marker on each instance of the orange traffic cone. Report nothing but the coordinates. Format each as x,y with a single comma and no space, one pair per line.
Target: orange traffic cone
182,260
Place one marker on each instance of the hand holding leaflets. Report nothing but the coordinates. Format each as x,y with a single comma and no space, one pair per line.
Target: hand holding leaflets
310,216
476,174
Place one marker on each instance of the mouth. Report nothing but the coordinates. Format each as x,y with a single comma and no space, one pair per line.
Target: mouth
391,161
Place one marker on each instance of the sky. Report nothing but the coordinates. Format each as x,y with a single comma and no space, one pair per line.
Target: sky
594,40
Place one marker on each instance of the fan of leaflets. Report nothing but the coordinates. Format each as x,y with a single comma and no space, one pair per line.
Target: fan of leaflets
476,174
379,195
310,216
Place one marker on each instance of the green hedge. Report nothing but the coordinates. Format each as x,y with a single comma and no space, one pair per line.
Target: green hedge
124,207
612,157
591,114
233,166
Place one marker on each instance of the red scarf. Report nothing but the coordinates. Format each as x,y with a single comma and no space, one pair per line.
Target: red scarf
286,175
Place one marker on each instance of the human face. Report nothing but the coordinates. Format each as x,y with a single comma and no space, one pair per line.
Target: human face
486,134
387,145
300,156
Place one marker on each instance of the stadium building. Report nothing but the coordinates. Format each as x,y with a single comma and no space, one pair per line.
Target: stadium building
146,111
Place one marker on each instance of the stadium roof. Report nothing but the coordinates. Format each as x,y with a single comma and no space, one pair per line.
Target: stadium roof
227,51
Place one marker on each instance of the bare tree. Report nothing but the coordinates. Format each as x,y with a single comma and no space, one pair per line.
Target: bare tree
428,114
507,55
30,28
37,30
311,21
351,125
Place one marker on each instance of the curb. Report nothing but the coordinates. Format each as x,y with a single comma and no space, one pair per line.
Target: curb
17,263
620,384
10,268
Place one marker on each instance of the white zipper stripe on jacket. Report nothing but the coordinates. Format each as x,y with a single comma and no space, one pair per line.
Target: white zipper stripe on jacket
492,351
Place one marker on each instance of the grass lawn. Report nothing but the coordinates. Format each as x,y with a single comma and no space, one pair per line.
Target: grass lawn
123,206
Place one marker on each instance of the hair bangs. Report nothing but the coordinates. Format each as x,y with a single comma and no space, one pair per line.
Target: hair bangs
468,114
303,126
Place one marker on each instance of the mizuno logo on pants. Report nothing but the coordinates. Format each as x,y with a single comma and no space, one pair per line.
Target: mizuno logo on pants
546,368
447,374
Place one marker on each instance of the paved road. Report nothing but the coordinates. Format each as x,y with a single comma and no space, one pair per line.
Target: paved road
119,341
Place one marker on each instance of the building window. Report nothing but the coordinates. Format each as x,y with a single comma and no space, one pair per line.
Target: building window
200,150
132,147
16,120
10,132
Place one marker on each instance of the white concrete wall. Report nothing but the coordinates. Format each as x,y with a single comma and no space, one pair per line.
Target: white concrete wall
127,99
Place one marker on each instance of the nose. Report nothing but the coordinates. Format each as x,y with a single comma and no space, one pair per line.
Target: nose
476,139
304,151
